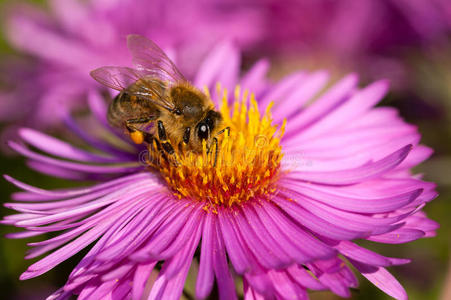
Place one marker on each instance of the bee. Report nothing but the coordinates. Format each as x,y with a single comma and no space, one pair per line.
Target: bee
156,102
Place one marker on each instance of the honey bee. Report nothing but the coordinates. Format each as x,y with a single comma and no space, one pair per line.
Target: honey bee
156,102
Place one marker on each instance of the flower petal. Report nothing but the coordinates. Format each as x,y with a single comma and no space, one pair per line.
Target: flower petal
226,284
56,147
358,104
339,199
381,278
235,251
140,278
205,277
292,103
364,172
320,108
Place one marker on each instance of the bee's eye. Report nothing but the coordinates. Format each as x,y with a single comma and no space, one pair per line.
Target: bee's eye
178,112
203,131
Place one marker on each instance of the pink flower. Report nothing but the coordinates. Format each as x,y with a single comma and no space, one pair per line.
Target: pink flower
284,207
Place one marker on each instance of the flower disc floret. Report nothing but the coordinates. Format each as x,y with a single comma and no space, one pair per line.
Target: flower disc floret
247,160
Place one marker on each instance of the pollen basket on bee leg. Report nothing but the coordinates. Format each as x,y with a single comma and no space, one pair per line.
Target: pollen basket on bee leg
137,137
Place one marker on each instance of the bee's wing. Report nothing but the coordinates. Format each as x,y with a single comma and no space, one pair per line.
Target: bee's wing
150,59
125,79
118,78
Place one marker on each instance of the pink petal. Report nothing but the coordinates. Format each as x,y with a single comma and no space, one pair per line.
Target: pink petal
358,104
205,277
381,278
226,284
319,108
140,278
364,172
306,89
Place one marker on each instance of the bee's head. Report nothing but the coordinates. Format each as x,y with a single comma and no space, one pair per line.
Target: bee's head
206,126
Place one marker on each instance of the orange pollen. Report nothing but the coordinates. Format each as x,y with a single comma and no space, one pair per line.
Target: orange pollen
248,160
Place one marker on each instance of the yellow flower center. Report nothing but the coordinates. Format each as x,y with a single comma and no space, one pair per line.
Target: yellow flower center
247,163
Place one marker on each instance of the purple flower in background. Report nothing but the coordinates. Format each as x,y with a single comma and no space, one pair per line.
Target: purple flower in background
348,28
294,189
74,37
377,38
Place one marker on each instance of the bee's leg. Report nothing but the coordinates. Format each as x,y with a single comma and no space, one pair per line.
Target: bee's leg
157,146
223,130
186,136
164,139
165,143
137,135
180,147
215,140
130,122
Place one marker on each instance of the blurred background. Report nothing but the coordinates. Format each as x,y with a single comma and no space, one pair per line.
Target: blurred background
47,49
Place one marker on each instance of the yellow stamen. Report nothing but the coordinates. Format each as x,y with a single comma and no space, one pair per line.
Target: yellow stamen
248,160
